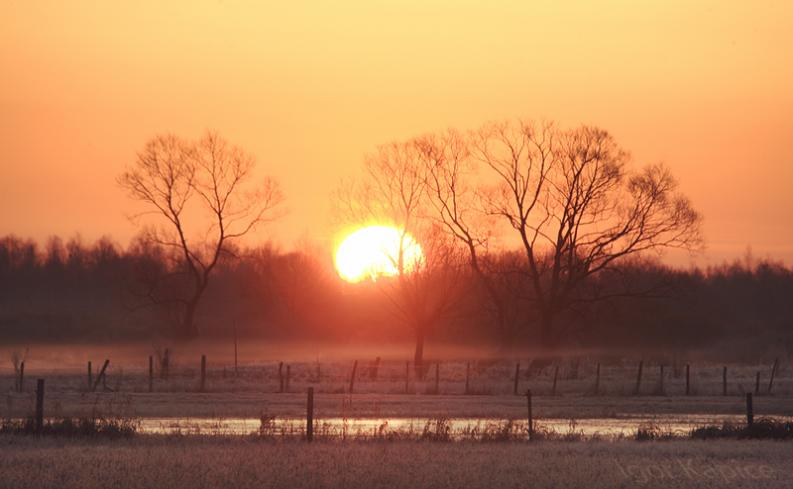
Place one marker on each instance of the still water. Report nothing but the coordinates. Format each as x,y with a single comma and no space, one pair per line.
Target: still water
455,427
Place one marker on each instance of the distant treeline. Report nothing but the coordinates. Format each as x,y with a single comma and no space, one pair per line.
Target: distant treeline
70,291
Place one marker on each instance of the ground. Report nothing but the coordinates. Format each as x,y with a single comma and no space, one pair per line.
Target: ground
219,460
224,405
199,462
255,389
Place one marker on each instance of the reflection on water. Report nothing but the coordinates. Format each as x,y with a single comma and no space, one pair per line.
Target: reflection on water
455,427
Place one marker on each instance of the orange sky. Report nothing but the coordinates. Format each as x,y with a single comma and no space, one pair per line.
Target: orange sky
706,87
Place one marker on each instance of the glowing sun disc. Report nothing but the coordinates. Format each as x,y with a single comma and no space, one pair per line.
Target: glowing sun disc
373,252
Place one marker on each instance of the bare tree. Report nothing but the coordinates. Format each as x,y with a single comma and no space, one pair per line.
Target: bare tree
577,209
393,191
456,208
203,193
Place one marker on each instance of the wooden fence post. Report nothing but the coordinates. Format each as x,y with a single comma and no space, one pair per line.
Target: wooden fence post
688,379
749,409
90,375
770,382
517,374
151,373
310,415
555,376
288,376
352,376
21,385
101,375
597,379
203,373
724,381
39,405
467,377
639,378
236,365
437,378
165,364
407,375
375,368
661,387
281,377
531,420
757,384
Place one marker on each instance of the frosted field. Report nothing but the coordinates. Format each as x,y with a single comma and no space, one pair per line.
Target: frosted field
192,463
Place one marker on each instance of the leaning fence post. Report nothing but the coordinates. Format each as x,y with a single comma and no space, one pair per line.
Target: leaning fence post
597,379
688,379
90,375
467,376
39,405
749,409
310,415
724,381
151,373
661,387
770,382
531,420
203,372
352,375
517,373
639,378
101,375
555,376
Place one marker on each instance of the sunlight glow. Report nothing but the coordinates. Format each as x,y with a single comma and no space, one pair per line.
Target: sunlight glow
373,252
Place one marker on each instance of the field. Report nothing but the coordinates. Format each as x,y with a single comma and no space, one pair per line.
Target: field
565,388
252,391
198,462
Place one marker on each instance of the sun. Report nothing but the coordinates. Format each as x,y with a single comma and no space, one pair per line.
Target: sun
373,252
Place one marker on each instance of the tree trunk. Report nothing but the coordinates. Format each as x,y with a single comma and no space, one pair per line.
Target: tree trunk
188,327
418,357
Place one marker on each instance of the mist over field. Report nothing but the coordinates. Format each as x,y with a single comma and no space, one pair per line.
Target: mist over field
282,304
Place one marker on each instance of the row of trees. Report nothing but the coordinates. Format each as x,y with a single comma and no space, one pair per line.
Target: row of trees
72,291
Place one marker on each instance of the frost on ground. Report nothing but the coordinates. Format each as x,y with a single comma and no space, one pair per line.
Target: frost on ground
185,462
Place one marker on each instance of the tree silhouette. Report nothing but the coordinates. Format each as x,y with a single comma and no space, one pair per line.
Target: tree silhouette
577,208
455,207
202,192
393,191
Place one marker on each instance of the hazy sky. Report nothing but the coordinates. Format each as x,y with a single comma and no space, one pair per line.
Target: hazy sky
706,87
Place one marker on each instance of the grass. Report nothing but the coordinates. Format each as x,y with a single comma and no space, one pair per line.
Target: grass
202,462
89,449
762,429
331,376
72,427
438,429
255,391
